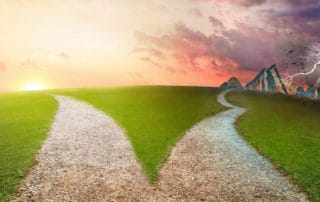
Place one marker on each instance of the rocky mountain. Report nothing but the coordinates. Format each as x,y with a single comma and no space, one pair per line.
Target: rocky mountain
300,92
268,80
311,92
291,86
232,83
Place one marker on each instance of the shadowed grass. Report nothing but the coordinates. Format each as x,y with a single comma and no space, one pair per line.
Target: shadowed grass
154,118
25,120
287,131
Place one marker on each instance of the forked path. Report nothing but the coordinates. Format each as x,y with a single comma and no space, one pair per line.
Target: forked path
87,157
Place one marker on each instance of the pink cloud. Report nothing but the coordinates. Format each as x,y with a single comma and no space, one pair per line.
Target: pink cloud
163,66
136,74
174,70
3,66
196,12
154,52
244,49
148,59
185,52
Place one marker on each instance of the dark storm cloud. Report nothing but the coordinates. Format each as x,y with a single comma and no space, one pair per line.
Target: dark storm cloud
301,2
250,3
311,12
302,21
246,3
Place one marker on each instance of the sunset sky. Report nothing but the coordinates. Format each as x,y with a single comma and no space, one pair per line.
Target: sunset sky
82,43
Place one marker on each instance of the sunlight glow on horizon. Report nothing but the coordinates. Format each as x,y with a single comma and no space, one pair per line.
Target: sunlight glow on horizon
33,86
97,43
71,46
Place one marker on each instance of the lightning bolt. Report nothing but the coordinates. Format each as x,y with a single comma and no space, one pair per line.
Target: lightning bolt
315,66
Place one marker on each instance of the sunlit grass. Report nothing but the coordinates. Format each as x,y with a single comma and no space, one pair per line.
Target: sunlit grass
25,120
287,131
154,118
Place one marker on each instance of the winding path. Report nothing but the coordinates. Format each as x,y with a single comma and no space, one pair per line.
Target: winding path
212,162
88,158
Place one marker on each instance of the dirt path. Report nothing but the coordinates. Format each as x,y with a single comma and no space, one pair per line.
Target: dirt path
88,158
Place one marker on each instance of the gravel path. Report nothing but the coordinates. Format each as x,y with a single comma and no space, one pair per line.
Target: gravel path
88,158
212,162
85,158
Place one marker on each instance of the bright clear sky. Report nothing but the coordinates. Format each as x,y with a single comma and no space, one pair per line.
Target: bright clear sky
77,43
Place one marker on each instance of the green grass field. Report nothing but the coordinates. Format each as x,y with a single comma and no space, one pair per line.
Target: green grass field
154,118
25,120
287,131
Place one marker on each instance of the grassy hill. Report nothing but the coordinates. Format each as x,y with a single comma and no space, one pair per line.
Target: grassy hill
287,131
154,118
25,119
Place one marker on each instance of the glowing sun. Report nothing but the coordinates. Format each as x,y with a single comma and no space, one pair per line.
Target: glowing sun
33,86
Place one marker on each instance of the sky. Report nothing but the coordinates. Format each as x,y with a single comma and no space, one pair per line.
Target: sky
86,43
